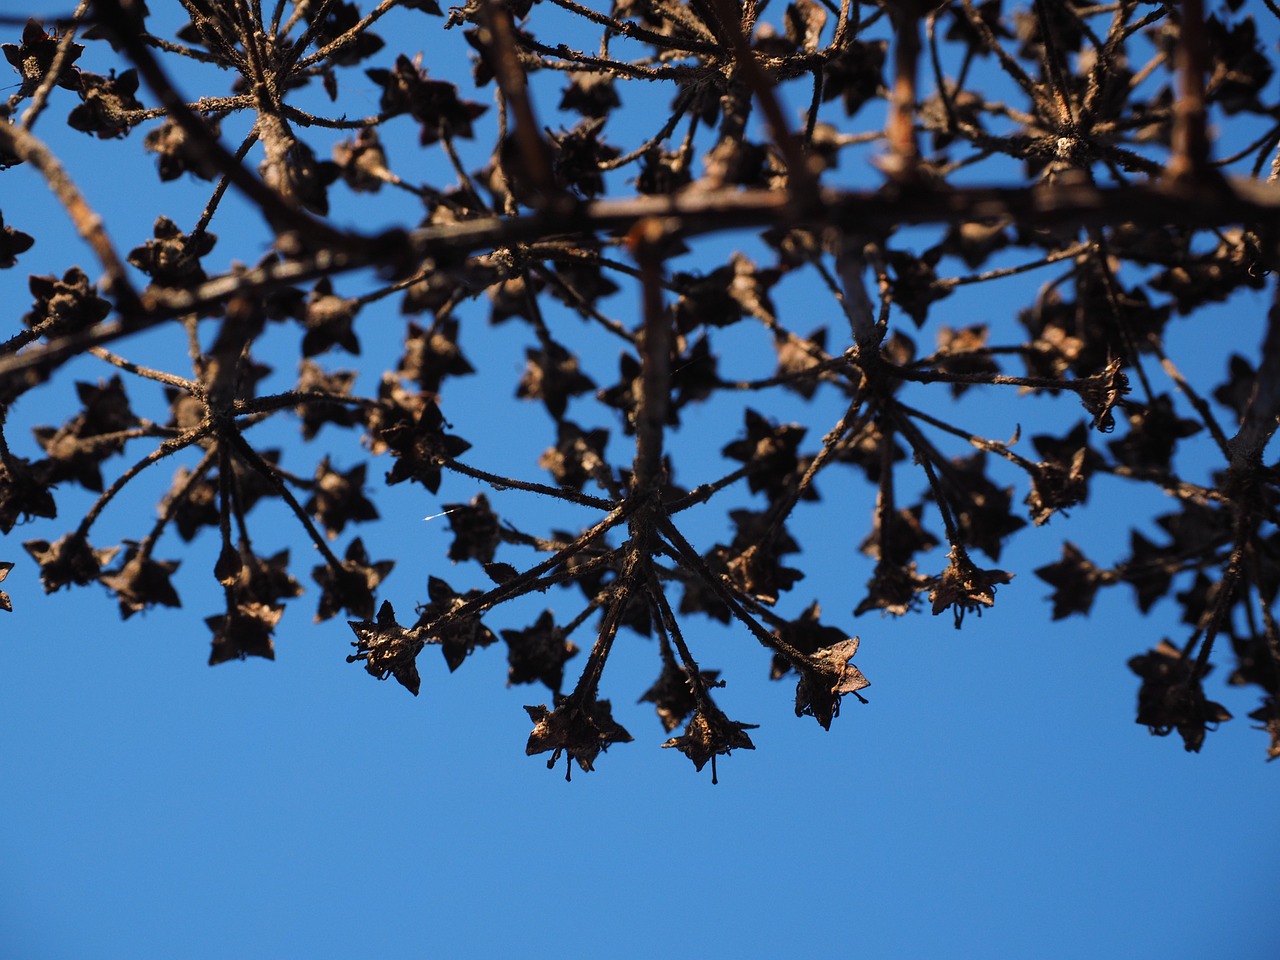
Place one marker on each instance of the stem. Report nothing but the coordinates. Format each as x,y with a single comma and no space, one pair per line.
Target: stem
504,60
655,360
508,483
1190,160
904,158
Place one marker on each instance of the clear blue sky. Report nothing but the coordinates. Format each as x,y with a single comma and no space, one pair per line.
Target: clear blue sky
994,799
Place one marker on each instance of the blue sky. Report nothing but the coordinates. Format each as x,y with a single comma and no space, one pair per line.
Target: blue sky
994,798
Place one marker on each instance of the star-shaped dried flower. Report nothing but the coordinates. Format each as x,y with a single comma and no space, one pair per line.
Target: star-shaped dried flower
964,587
552,376
672,694
333,20
177,153
590,94
265,580
172,259
25,492
387,648
963,353
694,374
412,428
329,321
324,403
76,449
1075,581
350,587
1154,432
897,537
710,734
770,450
983,510
1149,569
538,653
893,589
797,359
662,172
1171,696
457,638
580,730
723,296
244,631
856,73
824,680
915,283
433,103
70,560
432,354
476,533
577,455
362,163
64,306
192,504
34,58
12,243
807,634
108,102
338,498
579,154
5,602
699,596
1061,480
758,572
141,582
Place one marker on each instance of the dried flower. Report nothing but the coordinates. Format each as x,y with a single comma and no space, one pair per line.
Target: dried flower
1171,697
244,631
578,728
964,587
12,243
538,653
1100,395
412,428
5,603
387,648
67,561
825,678
672,693
350,586
458,637
141,582
710,734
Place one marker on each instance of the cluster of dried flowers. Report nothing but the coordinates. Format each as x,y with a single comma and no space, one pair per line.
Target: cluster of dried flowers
1093,117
